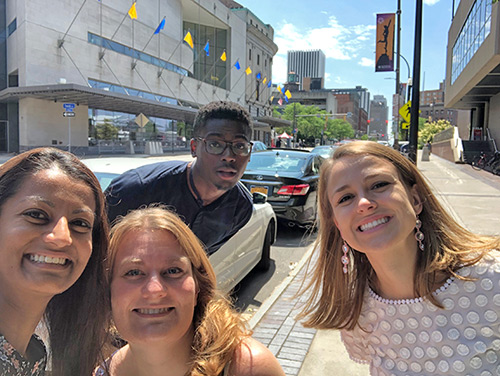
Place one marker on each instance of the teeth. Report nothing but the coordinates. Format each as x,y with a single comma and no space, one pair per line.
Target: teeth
48,260
370,225
152,311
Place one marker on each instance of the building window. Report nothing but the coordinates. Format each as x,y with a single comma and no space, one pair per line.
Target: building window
122,49
12,27
249,54
474,31
258,59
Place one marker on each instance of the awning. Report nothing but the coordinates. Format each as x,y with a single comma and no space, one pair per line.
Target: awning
100,99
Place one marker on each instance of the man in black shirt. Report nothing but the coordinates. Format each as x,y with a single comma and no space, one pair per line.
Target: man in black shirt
206,192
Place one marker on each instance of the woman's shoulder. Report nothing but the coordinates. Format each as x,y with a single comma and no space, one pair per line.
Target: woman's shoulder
252,358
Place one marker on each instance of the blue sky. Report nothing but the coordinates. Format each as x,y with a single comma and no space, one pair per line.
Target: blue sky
345,31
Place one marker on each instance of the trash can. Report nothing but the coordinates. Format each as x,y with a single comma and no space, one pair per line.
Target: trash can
425,153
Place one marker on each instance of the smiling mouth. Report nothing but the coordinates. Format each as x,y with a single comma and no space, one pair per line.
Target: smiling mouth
39,259
370,225
153,311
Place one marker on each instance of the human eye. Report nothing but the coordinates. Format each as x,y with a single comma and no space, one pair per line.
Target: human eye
214,144
133,273
173,271
344,199
380,184
36,215
81,225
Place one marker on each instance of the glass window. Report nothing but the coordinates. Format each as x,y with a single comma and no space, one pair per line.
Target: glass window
12,27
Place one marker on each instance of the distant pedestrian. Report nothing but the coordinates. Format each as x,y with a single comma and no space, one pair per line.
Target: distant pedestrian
278,142
412,291
429,146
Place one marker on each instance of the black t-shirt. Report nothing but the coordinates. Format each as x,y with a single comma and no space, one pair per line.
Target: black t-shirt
166,183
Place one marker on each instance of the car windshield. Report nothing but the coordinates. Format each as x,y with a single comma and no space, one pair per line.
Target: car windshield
279,161
105,179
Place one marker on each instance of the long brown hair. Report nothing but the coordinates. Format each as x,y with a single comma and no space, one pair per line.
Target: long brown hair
75,319
336,298
218,329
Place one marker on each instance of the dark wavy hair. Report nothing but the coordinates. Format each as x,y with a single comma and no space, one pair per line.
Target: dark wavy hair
222,110
76,318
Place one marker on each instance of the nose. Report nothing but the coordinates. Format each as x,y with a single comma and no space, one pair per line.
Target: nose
154,287
365,204
60,234
228,154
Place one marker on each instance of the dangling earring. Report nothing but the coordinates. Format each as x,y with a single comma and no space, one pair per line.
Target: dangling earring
345,258
419,235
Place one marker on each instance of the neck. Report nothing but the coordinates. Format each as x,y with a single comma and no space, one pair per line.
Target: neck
206,190
154,359
394,273
19,319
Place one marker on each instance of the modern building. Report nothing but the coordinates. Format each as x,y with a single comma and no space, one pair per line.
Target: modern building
473,68
117,64
378,118
356,103
306,64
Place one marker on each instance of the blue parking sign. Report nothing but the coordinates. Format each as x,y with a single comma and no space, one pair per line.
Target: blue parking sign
68,107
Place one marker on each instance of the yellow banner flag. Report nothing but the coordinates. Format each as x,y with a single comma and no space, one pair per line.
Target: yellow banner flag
248,71
279,88
223,57
189,39
264,80
132,12
288,94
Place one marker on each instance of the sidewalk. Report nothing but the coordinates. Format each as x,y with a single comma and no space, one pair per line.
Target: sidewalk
472,197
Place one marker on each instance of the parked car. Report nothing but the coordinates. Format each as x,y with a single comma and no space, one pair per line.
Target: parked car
289,179
258,146
326,151
249,248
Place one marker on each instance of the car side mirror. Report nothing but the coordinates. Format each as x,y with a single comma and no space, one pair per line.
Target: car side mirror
259,198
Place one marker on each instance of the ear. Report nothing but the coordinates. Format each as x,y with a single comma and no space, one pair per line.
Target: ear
416,200
192,145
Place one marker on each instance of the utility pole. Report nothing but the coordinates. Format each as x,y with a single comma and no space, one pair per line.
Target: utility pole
398,71
415,100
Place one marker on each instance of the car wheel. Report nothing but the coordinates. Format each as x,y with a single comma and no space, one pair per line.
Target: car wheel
265,260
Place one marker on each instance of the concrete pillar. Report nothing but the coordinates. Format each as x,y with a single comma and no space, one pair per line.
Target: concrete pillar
425,154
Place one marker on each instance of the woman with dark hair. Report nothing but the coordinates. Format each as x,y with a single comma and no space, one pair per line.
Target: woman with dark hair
164,304
412,291
54,233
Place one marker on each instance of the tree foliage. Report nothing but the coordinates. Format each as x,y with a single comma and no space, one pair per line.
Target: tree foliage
312,123
429,129
106,130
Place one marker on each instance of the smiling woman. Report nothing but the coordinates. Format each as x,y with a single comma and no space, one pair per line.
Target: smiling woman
165,306
410,289
54,236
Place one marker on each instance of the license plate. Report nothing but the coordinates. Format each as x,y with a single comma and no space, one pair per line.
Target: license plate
262,190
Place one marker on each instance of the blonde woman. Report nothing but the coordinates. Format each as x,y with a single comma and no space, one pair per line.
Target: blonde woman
412,291
164,304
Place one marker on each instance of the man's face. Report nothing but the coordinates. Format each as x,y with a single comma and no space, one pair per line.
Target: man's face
224,170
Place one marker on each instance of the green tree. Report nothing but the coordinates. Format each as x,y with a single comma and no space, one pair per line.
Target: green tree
339,129
106,130
427,131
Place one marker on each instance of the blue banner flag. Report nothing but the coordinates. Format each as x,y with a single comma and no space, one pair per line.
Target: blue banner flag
269,83
160,26
207,48
237,65
259,76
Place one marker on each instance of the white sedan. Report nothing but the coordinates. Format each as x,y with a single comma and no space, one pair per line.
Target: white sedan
248,248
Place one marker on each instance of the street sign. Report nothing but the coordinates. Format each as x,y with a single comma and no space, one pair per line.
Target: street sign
405,111
141,120
349,114
68,107
405,125
68,114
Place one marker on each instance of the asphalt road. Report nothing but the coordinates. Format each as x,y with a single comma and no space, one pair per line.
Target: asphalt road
290,246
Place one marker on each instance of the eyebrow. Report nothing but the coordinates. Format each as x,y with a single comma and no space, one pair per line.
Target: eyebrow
53,205
346,186
215,134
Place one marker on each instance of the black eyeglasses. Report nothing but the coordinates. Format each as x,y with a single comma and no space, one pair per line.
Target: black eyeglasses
216,147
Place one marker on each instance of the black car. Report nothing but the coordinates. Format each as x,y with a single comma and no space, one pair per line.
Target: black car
289,178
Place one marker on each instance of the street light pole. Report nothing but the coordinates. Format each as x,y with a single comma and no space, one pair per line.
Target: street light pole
398,62
415,92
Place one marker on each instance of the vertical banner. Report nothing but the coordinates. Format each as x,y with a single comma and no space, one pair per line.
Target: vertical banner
384,59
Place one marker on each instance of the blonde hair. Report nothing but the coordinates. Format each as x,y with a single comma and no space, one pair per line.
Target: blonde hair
336,298
218,328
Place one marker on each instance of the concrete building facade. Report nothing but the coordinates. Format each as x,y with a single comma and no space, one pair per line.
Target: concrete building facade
110,66
473,67
306,64
378,118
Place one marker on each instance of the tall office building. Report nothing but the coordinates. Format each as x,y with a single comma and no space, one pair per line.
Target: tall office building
306,64
378,117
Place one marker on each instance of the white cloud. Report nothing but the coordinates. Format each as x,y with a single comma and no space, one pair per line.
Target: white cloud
335,40
431,2
279,69
365,62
